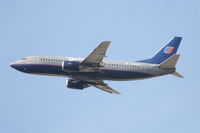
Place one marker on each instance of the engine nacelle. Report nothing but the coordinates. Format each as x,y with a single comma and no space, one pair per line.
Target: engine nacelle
70,66
75,84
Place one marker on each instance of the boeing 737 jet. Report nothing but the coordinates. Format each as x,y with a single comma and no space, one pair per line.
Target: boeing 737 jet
93,70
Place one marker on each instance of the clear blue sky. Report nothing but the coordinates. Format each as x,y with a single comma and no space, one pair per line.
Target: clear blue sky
137,29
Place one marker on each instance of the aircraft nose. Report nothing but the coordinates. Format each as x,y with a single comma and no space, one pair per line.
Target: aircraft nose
18,67
13,65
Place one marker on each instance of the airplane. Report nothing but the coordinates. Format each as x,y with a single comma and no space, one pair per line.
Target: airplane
93,69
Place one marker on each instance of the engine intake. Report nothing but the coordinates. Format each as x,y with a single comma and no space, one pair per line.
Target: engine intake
75,84
70,66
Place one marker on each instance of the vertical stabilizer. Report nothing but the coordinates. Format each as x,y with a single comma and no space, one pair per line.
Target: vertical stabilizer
167,51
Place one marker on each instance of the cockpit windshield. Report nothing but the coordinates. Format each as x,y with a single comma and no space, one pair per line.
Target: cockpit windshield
23,58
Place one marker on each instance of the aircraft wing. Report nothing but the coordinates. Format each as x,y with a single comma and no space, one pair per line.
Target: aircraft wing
106,88
97,55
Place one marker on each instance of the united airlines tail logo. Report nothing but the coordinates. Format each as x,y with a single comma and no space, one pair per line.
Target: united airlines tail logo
168,49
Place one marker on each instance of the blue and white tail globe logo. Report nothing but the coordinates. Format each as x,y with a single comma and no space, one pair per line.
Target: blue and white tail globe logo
168,49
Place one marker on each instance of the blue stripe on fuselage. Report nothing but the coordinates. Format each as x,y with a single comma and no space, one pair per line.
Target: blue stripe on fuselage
40,68
104,74
124,74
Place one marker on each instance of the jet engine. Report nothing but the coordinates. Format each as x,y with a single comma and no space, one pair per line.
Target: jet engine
70,66
75,84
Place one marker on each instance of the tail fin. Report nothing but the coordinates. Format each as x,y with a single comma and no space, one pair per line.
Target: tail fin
167,51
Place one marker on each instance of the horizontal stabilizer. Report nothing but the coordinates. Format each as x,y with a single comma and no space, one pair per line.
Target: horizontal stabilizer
177,75
170,63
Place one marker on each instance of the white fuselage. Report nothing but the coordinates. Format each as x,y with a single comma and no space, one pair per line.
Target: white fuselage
110,70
